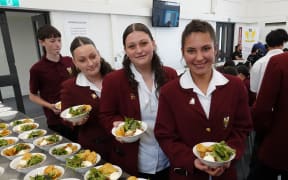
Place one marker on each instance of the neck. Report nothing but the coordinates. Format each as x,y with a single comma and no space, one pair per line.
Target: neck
52,57
202,82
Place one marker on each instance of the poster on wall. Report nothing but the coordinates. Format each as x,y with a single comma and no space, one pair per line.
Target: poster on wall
250,36
13,3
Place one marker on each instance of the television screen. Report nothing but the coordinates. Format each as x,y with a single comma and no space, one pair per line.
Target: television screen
165,14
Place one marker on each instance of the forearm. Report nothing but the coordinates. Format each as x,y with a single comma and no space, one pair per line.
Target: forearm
38,100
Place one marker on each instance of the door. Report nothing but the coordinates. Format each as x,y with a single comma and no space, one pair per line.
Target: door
225,36
8,73
38,21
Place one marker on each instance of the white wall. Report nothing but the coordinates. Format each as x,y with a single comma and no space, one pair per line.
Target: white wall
23,44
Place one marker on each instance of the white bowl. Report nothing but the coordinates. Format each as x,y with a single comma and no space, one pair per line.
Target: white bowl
5,126
3,109
25,135
211,163
40,171
42,142
18,128
84,169
63,157
113,176
5,132
15,163
15,139
31,147
129,139
68,117
21,121
8,115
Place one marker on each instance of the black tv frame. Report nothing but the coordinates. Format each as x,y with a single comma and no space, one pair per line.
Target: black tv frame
165,14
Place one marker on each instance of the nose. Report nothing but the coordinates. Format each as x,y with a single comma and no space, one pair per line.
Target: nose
199,55
90,62
138,49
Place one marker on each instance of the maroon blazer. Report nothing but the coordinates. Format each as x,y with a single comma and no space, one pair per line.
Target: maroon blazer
270,113
91,135
180,125
117,101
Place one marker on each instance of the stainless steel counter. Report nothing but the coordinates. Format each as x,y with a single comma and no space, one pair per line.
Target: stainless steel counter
10,174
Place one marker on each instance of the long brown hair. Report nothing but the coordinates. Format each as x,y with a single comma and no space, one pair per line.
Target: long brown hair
157,66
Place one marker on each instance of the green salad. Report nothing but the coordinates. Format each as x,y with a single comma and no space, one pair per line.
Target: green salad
222,152
95,174
53,138
131,124
35,133
41,177
35,159
3,142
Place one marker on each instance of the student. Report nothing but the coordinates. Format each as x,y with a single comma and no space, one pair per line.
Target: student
47,75
133,92
86,89
275,41
237,54
202,105
270,122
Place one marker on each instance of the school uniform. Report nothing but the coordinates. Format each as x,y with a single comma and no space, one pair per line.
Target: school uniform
119,100
45,78
270,117
91,135
187,117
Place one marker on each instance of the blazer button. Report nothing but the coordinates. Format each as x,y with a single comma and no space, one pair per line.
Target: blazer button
208,129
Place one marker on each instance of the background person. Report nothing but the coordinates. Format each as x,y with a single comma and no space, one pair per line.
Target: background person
202,105
86,89
133,92
47,75
237,54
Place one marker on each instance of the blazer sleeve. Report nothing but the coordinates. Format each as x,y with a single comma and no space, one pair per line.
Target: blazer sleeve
179,154
266,99
109,103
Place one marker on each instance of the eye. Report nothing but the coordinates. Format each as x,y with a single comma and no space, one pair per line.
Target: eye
143,43
207,48
190,50
131,46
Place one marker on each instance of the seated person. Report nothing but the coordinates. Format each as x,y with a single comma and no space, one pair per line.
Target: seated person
237,54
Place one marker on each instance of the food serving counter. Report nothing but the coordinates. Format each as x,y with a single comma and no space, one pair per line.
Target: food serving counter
7,173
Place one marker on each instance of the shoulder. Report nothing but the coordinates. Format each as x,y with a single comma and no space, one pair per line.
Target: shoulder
66,60
170,72
38,65
171,86
69,82
279,57
115,74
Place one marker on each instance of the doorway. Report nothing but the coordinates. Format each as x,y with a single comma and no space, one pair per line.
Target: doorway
225,36
18,52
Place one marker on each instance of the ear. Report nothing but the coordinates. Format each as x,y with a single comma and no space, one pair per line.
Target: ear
41,42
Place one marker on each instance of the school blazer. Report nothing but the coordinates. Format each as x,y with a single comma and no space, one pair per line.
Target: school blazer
181,124
118,100
270,113
91,134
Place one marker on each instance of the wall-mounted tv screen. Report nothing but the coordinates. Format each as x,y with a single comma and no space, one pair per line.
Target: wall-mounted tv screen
165,14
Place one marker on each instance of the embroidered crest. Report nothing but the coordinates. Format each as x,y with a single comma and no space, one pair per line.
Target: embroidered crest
192,101
226,121
132,96
69,70
94,96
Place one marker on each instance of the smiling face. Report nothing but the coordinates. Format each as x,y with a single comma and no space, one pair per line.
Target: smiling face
199,53
87,59
139,47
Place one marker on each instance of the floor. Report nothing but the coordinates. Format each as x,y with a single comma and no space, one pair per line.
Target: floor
35,111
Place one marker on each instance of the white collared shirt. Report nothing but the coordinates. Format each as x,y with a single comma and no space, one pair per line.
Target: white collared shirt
259,68
81,80
151,158
186,82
